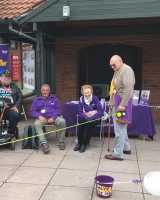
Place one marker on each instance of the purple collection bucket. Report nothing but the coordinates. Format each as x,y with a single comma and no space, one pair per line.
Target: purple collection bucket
104,186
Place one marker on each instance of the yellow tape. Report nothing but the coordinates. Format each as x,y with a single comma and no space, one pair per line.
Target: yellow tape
26,138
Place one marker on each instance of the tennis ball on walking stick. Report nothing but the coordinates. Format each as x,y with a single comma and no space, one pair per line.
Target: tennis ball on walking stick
120,114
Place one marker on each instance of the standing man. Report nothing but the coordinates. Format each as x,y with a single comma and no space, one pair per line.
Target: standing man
46,110
122,86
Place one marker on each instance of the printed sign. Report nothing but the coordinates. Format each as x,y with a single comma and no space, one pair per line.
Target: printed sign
15,68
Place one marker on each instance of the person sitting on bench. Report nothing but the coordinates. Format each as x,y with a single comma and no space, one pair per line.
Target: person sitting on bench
46,110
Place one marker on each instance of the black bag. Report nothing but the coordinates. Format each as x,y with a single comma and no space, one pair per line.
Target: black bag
30,143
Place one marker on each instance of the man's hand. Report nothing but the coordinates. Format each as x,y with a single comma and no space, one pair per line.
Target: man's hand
121,108
51,120
42,119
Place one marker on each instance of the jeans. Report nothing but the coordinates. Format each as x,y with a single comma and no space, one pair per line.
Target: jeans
121,138
60,123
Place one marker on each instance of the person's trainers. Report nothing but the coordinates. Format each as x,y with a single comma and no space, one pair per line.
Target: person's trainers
62,146
45,148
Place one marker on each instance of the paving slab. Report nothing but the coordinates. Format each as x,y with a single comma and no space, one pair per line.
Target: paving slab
73,178
68,193
38,159
148,166
127,166
12,158
15,191
79,162
5,172
148,155
32,175
151,197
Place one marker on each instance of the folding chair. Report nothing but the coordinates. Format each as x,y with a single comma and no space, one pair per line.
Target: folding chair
23,113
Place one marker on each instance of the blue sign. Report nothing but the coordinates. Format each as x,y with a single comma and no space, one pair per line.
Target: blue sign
4,58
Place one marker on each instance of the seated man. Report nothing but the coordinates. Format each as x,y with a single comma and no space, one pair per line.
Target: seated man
46,110
89,109
10,97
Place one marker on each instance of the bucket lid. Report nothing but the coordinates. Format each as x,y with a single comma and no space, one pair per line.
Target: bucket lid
103,179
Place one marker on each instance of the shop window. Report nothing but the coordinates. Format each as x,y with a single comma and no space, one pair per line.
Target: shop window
28,68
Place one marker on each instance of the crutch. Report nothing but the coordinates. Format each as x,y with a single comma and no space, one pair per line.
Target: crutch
1,117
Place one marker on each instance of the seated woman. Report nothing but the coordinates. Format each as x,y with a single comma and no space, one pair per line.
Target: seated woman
89,109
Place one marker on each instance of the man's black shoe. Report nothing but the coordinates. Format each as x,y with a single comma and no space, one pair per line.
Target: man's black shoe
77,147
82,149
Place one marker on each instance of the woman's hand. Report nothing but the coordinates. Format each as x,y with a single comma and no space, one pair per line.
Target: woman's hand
91,113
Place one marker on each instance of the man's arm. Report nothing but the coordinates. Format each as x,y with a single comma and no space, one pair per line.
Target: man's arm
56,110
34,111
128,81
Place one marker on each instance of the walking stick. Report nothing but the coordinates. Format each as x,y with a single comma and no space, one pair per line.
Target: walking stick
109,130
1,116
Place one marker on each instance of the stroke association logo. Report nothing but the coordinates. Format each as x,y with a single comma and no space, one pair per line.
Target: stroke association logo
104,190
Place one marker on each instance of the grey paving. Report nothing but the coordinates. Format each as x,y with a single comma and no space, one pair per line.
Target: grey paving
68,175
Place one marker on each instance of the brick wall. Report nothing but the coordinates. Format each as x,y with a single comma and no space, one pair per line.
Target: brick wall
67,51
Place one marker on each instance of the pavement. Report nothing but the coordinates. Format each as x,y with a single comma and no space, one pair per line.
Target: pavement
68,175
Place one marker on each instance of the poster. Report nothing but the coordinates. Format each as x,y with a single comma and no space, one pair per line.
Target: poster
28,67
144,98
4,58
135,98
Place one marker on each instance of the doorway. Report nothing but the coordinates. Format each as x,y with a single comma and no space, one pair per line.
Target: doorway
94,63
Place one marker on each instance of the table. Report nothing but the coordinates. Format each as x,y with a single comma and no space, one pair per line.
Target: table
142,123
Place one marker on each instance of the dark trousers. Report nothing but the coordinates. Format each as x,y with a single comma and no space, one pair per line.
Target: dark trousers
85,132
13,118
